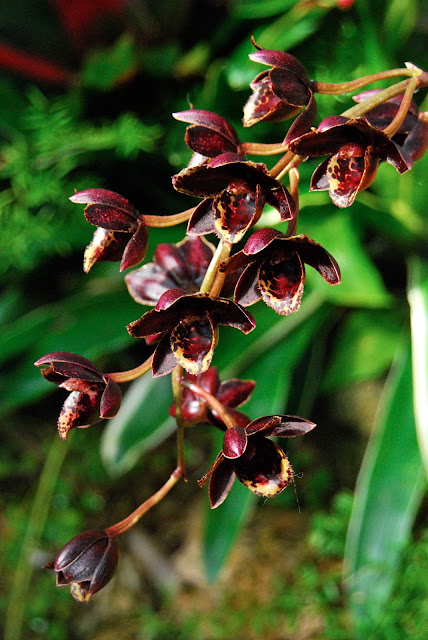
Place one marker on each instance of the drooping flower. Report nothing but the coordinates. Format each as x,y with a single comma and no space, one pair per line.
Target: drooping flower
274,269
93,395
231,393
87,563
280,93
188,323
258,463
355,148
209,135
121,232
234,192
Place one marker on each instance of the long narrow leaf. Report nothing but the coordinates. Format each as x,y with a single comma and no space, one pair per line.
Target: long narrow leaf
418,300
388,493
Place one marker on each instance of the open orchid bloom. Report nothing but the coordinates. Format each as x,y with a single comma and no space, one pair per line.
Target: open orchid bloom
234,192
86,563
259,463
92,394
231,393
188,323
274,269
355,147
280,93
209,135
412,136
121,232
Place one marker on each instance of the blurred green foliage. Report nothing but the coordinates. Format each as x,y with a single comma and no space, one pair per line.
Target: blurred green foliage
113,129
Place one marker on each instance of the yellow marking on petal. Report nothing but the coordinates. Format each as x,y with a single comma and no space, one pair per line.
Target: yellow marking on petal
79,593
269,487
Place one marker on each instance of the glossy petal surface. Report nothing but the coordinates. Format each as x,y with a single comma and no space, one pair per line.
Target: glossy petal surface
264,468
281,284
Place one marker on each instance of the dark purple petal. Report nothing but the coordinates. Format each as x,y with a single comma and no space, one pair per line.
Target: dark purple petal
105,197
344,173
289,88
202,220
281,284
102,215
192,343
110,400
317,257
169,298
284,426
136,249
234,442
76,547
398,157
303,122
263,104
196,254
70,365
282,200
164,360
154,322
106,567
331,134
247,290
416,142
273,58
229,313
264,468
260,240
221,482
209,120
234,392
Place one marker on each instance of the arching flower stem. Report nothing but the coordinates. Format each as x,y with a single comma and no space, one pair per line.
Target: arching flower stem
335,89
128,522
212,402
168,221
131,374
398,120
379,98
263,149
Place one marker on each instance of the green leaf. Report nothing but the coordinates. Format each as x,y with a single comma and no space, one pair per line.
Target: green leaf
141,424
363,349
361,283
106,68
418,300
255,9
400,20
388,493
279,350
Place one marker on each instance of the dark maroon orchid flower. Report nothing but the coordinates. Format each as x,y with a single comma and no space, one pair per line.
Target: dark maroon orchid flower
355,148
93,394
234,192
280,93
121,231
188,323
182,265
87,563
231,393
412,136
247,454
274,269
209,135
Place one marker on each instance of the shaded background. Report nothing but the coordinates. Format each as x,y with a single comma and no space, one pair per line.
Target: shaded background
87,91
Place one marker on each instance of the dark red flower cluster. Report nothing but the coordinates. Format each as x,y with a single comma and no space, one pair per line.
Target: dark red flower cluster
195,287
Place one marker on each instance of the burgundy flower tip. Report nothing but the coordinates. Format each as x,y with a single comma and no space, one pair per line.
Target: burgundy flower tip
234,442
281,93
209,134
121,232
188,323
274,269
86,563
182,265
355,149
92,394
258,463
